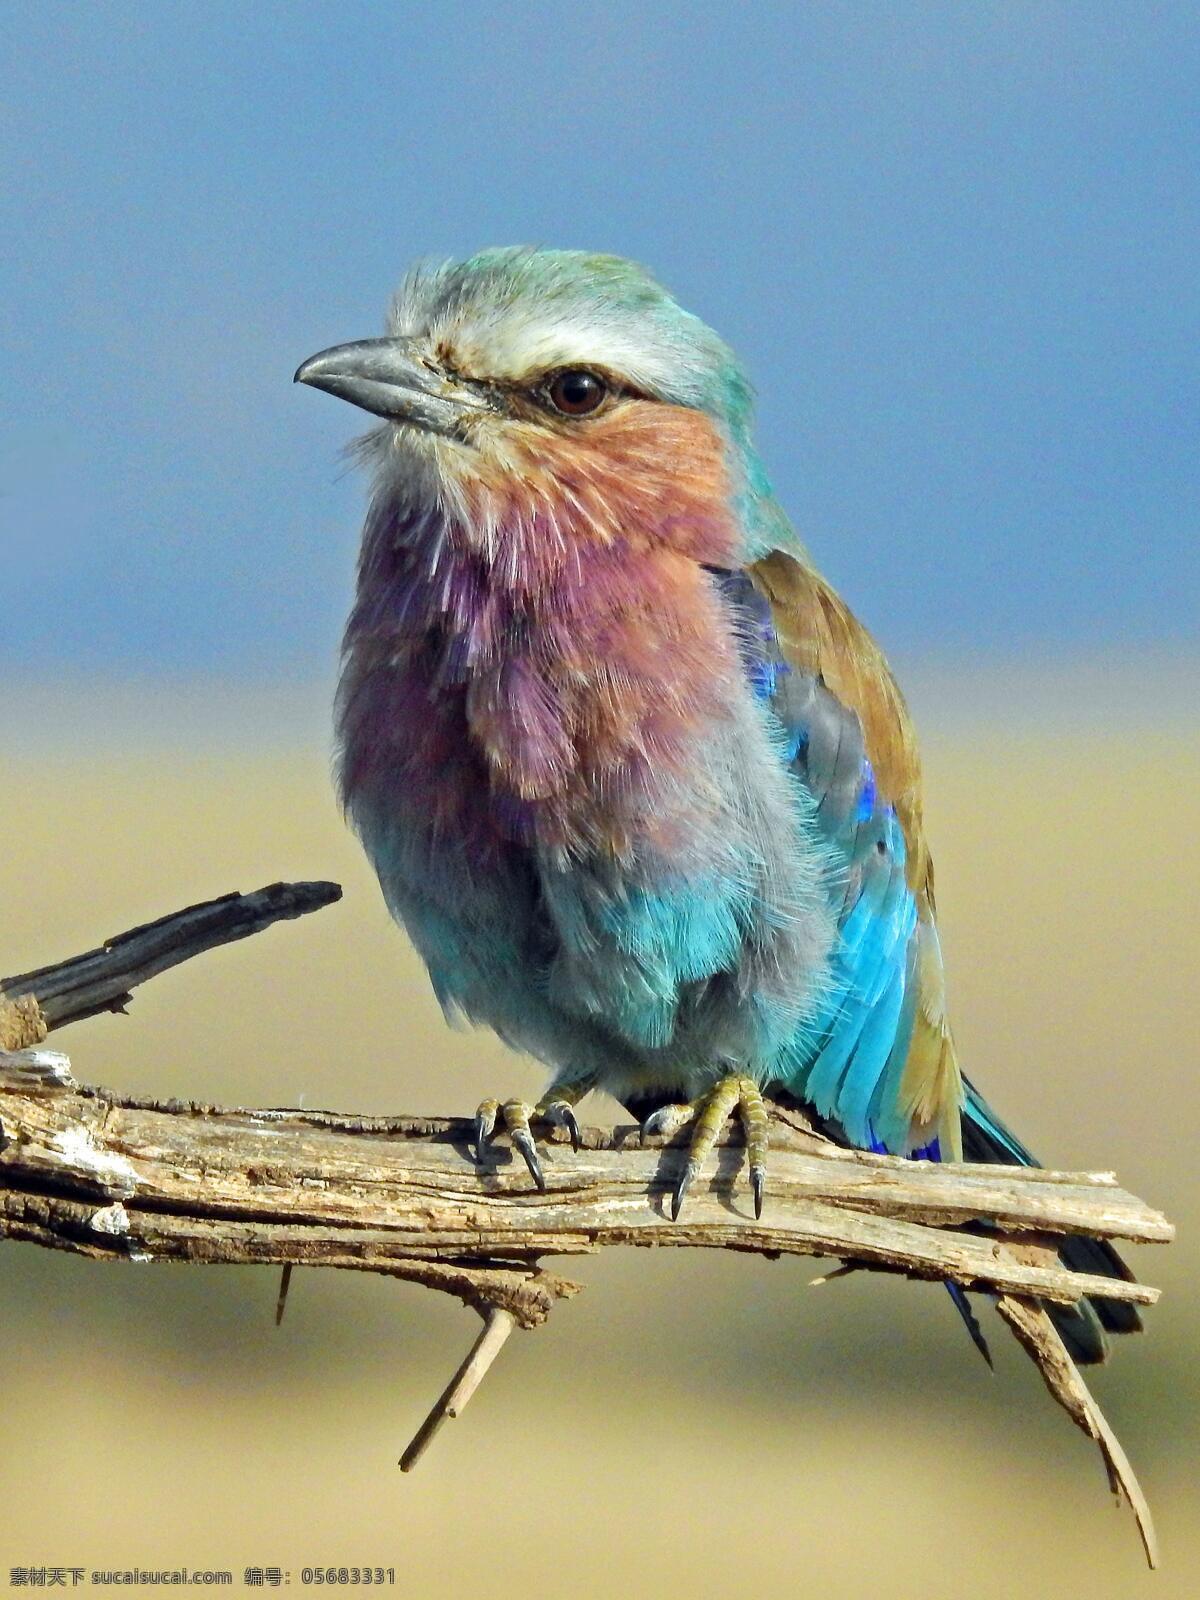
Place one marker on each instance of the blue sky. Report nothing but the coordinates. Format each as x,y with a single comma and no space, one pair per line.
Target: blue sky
957,246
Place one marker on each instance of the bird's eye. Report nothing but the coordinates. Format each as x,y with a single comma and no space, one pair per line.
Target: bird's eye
576,393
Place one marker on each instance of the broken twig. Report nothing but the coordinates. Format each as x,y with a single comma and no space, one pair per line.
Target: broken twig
497,1325
101,979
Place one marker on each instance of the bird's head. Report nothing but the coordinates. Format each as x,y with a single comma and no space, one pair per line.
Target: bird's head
557,386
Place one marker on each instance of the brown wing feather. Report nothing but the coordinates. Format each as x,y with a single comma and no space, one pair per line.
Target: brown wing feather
818,633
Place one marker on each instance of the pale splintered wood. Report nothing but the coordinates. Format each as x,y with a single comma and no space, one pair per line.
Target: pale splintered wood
1040,1339
212,1183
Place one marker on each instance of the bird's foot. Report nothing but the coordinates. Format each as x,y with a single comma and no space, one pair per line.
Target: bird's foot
710,1113
515,1117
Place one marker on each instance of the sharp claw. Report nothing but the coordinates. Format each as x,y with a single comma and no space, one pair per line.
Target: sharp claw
667,1119
681,1189
561,1113
523,1140
485,1126
709,1115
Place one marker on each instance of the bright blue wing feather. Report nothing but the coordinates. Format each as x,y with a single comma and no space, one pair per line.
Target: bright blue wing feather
850,1070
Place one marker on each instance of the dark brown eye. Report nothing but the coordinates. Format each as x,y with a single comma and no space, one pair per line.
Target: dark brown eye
576,393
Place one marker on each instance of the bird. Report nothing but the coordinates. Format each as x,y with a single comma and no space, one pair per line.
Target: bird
640,787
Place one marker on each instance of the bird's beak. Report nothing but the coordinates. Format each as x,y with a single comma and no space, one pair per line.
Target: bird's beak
385,376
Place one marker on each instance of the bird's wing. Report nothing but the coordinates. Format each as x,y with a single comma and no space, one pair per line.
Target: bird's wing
882,1061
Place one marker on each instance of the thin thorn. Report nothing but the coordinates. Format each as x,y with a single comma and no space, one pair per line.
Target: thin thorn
843,1271
285,1283
523,1139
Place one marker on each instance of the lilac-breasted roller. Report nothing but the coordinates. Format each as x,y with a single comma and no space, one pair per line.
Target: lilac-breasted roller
640,787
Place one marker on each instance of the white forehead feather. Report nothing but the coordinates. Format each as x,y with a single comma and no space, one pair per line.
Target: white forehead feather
512,315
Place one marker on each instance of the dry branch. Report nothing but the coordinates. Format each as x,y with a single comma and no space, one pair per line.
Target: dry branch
101,979
122,1178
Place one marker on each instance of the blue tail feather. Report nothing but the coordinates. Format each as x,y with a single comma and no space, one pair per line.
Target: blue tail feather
987,1139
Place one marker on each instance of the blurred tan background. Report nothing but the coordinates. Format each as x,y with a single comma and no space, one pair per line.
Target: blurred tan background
689,1425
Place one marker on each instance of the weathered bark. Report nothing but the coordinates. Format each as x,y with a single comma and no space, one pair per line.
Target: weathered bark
179,1180
101,979
121,1178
